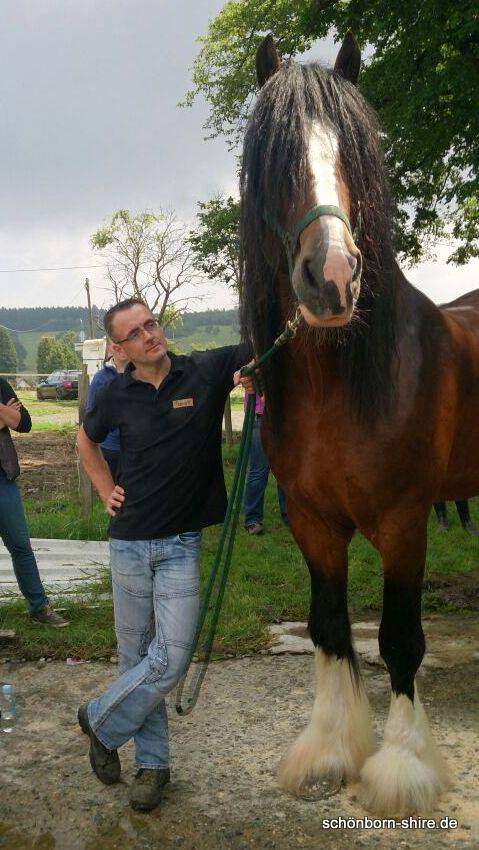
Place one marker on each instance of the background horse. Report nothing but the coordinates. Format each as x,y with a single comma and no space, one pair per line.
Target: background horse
372,411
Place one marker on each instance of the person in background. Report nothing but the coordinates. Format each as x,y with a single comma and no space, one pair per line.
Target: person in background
115,364
258,478
464,515
13,525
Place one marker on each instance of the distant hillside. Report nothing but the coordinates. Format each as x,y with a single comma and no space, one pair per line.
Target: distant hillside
206,319
49,319
195,331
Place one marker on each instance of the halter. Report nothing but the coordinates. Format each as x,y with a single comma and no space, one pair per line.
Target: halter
290,241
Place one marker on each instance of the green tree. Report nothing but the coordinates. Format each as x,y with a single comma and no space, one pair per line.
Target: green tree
423,78
21,351
67,342
43,354
149,256
215,241
52,354
8,355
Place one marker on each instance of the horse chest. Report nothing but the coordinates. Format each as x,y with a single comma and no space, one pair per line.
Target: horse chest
312,464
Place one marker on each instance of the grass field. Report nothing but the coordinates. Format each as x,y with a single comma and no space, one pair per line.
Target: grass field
42,412
203,338
269,580
47,407
30,340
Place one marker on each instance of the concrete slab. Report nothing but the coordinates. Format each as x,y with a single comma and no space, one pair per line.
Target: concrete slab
292,638
63,565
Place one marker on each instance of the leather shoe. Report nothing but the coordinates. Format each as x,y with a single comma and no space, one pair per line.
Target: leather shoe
105,763
147,787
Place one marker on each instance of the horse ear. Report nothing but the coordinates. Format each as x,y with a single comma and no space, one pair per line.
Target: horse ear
348,60
268,60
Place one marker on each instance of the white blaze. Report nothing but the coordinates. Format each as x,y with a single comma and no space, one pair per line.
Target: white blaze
323,165
322,157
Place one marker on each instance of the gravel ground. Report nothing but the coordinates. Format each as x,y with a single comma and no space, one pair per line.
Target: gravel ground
223,794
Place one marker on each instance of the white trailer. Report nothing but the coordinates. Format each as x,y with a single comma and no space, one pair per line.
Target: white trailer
93,354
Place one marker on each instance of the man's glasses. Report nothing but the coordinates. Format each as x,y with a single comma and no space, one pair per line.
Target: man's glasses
149,327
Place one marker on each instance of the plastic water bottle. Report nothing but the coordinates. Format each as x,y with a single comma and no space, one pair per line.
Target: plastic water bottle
8,708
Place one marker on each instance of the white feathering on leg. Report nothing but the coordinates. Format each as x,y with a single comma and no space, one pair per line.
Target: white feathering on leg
338,738
407,774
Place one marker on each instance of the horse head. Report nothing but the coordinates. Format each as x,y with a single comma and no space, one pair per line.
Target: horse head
311,212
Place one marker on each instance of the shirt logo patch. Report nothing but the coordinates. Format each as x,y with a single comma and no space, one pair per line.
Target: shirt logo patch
183,402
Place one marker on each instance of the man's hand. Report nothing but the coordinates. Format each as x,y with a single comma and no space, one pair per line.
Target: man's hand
10,413
115,500
246,383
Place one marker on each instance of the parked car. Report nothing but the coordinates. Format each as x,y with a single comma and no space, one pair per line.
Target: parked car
60,385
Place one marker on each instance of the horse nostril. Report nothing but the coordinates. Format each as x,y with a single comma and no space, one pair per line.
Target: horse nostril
308,273
354,265
357,268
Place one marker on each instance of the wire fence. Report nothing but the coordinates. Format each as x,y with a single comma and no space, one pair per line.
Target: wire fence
24,380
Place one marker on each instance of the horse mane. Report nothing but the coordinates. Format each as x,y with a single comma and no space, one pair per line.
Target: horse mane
274,174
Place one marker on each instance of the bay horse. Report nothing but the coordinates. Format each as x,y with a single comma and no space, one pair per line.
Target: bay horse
372,411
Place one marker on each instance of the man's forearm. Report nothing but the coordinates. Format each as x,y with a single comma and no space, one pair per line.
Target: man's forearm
9,416
95,465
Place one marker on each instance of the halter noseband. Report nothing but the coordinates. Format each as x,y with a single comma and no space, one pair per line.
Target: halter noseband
290,241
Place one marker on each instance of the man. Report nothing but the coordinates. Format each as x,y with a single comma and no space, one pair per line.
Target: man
257,479
169,411
114,365
13,524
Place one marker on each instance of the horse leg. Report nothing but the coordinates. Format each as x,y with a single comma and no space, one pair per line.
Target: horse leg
465,517
441,513
338,737
406,775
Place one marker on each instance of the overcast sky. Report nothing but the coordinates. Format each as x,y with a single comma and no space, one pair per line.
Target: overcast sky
90,123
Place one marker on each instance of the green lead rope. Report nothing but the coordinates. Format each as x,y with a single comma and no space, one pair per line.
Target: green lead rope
191,680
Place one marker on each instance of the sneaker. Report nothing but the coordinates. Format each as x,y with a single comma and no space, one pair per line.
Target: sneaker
146,790
255,528
48,617
105,763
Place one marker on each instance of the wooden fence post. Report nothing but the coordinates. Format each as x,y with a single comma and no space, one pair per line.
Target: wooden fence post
228,423
85,485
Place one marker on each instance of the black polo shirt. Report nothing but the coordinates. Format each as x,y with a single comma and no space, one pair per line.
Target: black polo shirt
170,443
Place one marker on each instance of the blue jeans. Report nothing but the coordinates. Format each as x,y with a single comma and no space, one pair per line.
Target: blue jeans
257,480
14,533
156,600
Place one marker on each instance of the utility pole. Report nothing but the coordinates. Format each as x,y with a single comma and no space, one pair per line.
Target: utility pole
87,287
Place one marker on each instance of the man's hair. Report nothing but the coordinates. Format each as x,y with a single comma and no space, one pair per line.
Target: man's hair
117,308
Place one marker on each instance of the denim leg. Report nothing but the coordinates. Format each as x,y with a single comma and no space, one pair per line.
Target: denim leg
131,707
14,533
135,629
257,478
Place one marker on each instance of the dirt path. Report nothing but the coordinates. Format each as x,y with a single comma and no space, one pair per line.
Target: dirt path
223,794
48,463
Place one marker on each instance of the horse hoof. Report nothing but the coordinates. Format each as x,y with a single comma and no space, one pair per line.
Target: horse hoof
396,782
311,760
303,766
